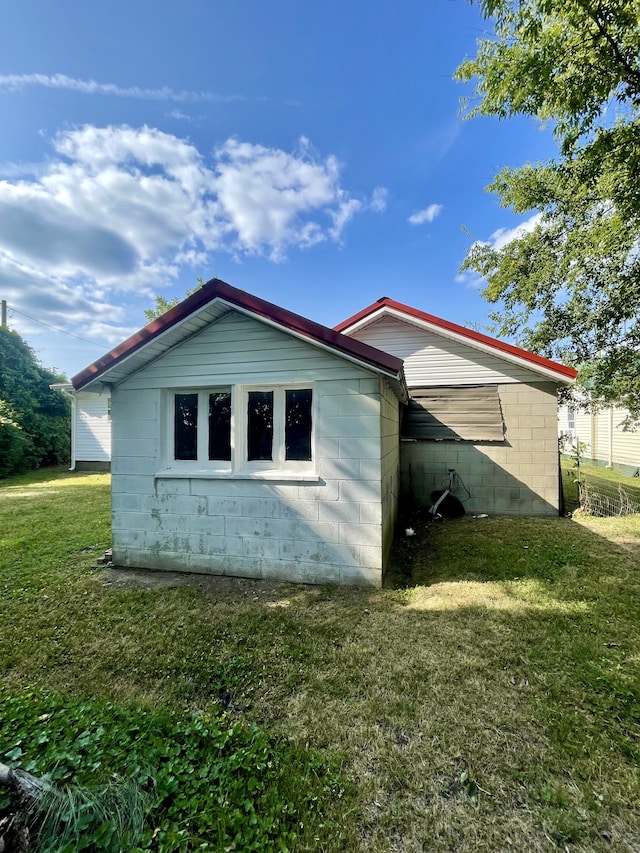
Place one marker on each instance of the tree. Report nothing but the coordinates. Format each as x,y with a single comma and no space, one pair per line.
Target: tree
34,420
570,288
163,305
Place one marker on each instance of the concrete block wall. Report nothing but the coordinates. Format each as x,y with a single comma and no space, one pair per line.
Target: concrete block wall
329,530
518,476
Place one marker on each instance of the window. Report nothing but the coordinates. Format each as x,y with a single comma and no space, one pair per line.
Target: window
260,426
244,429
202,426
297,427
279,427
220,425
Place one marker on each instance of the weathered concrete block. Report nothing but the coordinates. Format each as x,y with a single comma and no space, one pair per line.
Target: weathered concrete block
360,534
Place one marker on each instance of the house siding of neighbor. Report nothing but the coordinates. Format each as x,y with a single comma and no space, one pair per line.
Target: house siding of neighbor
93,432
515,475
90,428
328,520
601,436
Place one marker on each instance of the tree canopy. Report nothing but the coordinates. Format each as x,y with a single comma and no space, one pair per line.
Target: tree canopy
569,288
162,304
34,420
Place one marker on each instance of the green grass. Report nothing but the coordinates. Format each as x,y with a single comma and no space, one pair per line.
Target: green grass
488,699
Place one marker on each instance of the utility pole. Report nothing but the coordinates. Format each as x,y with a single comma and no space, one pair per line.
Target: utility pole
4,313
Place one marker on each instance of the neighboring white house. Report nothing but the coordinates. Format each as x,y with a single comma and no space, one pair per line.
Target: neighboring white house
601,435
90,428
250,441
480,407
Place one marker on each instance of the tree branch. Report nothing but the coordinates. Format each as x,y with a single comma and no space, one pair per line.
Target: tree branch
632,72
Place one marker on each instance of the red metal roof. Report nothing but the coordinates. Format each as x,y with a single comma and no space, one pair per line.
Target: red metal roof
217,289
462,331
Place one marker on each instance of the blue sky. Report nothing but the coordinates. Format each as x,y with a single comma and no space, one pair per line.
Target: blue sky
310,153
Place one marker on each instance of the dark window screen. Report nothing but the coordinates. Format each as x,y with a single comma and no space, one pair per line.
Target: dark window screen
186,426
220,426
297,427
260,426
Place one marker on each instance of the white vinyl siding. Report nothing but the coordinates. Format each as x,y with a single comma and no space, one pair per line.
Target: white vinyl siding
604,439
93,428
240,350
626,444
432,359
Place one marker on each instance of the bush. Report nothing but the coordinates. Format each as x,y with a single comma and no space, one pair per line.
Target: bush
34,420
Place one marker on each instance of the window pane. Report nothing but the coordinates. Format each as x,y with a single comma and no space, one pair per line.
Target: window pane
220,426
260,425
186,426
297,427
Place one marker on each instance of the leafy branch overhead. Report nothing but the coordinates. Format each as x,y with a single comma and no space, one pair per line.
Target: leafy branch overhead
570,287
162,304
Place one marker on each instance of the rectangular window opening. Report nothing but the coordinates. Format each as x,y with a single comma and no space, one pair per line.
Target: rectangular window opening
297,428
220,426
186,426
260,426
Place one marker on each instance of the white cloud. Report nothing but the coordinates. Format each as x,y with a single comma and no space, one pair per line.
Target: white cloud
471,279
427,215
378,201
498,240
127,209
17,82
179,115
503,236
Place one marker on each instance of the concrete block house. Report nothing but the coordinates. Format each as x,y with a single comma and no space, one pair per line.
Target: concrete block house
252,442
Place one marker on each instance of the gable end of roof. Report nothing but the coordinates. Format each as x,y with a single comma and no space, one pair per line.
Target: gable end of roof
385,305
216,289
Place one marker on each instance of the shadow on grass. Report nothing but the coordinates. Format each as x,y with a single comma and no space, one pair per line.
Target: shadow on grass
487,549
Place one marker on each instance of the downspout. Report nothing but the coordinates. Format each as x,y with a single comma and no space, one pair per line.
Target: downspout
72,397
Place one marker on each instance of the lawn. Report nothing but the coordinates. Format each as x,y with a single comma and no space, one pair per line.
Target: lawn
487,699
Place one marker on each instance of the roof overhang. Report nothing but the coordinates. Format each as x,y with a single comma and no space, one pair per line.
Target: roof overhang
206,306
386,307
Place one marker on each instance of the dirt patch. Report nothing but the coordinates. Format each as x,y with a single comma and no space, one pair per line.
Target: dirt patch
215,584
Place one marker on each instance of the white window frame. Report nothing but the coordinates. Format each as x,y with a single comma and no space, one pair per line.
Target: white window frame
278,463
239,465
202,462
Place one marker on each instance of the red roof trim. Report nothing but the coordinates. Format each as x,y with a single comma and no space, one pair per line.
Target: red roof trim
217,289
477,337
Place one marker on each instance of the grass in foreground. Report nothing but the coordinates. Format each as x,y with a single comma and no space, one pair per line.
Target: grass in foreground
488,702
